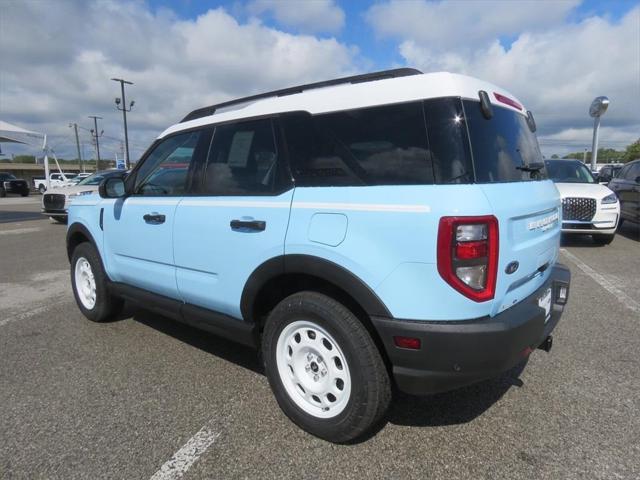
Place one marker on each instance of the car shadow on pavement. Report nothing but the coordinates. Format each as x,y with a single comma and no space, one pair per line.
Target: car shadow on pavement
13,216
452,408
233,352
630,230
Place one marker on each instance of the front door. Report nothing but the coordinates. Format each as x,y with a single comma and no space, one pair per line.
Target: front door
138,229
237,221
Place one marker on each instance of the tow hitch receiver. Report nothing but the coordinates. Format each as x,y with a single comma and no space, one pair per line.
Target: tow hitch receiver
546,344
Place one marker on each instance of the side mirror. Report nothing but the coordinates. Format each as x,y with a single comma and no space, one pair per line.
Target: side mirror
112,187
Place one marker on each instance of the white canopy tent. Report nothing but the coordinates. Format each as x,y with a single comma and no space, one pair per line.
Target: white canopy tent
13,134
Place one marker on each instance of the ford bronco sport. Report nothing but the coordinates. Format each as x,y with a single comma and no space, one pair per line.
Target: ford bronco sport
394,228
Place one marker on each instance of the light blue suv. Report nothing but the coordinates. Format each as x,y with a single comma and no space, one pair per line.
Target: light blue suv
385,229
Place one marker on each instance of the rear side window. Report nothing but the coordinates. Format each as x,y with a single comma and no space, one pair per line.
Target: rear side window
448,141
501,145
371,146
243,160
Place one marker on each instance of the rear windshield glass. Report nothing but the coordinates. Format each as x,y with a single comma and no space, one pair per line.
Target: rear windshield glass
502,145
568,172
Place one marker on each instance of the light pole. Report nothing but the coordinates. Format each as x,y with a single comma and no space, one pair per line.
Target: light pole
96,136
596,110
124,116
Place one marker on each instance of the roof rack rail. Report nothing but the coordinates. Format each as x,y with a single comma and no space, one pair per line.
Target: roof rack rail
367,77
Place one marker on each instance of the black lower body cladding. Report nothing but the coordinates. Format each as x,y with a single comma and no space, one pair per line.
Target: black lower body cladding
458,353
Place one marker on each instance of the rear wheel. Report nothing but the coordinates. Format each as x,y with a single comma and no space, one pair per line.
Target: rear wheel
89,283
42,189
324,368
603,239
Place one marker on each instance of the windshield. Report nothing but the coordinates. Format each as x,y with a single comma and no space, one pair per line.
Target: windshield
569,172
504,148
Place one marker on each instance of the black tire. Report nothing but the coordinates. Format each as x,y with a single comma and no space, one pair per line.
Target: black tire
3,192
25,194
370,385
42,189
59,219
603,239
106,305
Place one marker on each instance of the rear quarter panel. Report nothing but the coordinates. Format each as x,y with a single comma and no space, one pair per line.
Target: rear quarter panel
389,241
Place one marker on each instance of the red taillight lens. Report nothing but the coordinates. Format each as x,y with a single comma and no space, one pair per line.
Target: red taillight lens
469,250
468,255
507,101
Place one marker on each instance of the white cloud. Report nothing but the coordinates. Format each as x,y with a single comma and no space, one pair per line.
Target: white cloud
57,60
461,24
555,66
314,16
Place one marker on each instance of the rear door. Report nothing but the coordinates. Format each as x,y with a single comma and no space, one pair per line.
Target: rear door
237,220
527,205
138,230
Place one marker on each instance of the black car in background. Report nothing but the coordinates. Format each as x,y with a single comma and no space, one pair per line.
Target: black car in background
607,172
626,185
10,184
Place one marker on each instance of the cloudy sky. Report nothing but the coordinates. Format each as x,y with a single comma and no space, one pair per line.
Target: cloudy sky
56,58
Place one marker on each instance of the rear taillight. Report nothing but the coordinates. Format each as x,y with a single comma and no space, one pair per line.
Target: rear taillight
468,255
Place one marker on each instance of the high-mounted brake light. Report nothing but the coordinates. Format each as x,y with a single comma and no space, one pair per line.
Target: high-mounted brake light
507,101
468,255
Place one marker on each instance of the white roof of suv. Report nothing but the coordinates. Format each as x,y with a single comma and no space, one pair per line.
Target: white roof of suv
345,96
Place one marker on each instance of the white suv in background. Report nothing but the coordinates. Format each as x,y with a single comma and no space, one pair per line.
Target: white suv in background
587,207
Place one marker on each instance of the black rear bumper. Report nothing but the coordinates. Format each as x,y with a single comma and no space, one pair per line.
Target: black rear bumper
458,353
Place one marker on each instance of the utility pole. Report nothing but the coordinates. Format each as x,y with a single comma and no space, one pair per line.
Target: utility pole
96,136
124,116
75,128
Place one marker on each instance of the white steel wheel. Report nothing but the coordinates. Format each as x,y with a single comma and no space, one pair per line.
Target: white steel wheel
313,369
85,283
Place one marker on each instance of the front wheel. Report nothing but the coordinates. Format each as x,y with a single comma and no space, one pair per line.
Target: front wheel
324,368
89,283
603,239
42,189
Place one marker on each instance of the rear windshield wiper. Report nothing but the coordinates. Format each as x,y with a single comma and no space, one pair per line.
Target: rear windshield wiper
532,167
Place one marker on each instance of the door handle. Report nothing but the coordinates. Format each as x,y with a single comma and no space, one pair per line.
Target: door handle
257,225
154,218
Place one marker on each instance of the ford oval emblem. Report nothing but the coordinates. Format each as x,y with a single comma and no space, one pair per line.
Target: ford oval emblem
512,267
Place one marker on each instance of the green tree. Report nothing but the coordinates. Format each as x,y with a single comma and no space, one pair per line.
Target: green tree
632,151
24,159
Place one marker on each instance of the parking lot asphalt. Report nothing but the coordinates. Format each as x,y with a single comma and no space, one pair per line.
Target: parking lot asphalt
144,397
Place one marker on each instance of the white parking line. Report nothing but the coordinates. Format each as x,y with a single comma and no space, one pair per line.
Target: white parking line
29,313
182,460
19,231
604,282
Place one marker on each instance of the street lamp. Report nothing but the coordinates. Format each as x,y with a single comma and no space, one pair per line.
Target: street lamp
124,109
596,110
